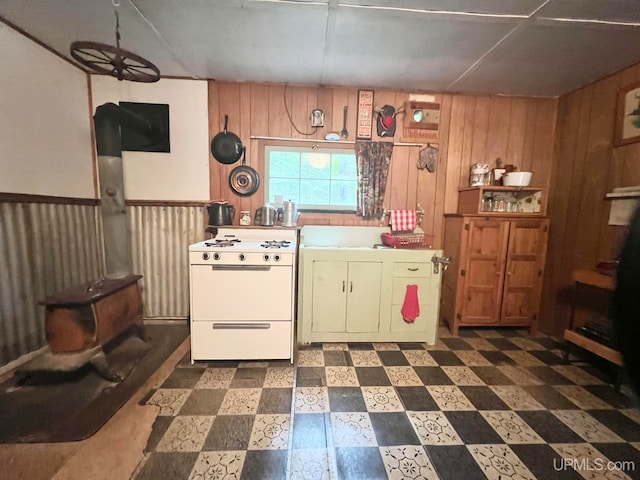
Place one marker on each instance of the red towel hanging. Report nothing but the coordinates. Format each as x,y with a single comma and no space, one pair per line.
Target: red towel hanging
411,307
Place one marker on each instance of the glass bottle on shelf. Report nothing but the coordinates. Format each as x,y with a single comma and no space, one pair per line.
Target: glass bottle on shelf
487,204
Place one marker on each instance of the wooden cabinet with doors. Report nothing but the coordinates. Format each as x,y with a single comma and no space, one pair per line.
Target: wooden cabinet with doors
495,278
346,296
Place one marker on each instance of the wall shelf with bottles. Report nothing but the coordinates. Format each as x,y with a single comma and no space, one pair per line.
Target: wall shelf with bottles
498,200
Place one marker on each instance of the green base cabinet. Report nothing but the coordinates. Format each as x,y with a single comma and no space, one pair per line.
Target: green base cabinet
339,307
356,295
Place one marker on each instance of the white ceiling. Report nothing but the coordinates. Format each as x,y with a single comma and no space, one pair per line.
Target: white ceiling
514,47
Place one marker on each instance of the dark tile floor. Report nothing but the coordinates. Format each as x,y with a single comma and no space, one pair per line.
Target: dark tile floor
492,404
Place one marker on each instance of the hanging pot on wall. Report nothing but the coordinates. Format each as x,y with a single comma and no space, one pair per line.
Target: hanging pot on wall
243,179
226,147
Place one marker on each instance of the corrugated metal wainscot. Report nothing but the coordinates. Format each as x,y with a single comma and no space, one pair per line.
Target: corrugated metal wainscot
47,244
160,236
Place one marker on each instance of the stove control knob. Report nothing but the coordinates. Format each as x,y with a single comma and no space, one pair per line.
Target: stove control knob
266,257
205,256
276,258
241,257
216,256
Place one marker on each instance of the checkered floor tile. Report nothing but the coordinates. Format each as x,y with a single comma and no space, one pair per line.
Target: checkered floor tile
490,403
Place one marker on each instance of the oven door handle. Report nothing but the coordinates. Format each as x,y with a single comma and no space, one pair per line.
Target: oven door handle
240,326
243,268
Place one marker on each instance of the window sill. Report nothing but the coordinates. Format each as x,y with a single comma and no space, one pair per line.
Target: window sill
320,210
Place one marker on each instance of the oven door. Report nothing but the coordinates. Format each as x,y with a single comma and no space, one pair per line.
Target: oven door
241,292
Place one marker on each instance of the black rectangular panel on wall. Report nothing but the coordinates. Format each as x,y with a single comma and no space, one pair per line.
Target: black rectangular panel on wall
158,115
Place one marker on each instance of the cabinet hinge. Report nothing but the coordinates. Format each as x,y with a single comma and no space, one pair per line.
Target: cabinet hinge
466,226
545,228
463,273
539,273
458,316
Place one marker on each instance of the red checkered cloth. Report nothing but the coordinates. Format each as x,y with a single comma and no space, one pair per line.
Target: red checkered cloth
402,220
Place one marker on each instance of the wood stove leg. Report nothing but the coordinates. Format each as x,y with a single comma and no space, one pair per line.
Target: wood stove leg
619,377
101,364
140,329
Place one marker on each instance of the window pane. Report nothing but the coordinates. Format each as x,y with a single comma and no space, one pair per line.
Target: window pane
314,192
289,188
344,192
343,167
315,165
284,164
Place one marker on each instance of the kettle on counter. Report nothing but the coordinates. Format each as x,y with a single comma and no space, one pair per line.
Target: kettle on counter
289,214
221,213
266,216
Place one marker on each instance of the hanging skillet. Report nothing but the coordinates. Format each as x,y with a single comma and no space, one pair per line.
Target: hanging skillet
243,179
226,147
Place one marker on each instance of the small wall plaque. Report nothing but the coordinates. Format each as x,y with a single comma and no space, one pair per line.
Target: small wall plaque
365,114
423,115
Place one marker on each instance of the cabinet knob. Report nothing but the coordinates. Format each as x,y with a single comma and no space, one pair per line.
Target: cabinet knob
415,269
343,285
509,274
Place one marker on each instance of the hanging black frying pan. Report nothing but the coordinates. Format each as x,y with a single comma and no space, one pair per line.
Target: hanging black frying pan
226,147
243,179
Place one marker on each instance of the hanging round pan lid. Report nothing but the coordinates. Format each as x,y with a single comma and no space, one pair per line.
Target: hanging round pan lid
226,147
243,179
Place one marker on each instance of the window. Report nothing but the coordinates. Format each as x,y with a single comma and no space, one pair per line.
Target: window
323,179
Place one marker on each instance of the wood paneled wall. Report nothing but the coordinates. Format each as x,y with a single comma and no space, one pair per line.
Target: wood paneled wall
472,129
586,166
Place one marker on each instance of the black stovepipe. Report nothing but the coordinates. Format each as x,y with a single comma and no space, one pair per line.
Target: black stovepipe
109,120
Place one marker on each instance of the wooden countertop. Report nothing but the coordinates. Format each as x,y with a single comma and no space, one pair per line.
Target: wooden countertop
594,278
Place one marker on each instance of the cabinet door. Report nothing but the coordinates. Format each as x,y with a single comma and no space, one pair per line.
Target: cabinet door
363,299
523,273
482,278
329,298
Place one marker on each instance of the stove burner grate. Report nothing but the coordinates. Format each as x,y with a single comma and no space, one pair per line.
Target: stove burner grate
222,242
275,244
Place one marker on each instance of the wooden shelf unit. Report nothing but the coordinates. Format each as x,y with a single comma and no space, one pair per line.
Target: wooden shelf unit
531,200
604,282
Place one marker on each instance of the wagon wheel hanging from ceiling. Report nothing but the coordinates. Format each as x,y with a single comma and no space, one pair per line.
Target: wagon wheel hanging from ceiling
114,61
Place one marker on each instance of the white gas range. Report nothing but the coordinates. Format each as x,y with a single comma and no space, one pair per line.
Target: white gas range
242,298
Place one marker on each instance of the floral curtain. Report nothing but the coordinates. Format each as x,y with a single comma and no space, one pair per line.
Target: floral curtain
373,169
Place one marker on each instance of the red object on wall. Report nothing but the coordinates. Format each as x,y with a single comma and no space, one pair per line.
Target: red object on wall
386,124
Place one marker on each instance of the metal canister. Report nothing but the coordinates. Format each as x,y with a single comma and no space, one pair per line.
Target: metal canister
290,214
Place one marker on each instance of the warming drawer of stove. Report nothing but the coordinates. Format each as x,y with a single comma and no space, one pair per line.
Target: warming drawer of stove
241,341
